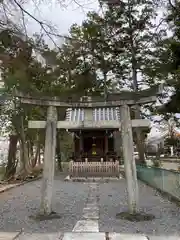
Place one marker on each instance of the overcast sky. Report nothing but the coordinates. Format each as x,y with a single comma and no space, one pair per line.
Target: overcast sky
60,15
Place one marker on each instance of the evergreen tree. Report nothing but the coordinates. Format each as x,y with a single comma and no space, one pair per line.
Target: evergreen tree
172,68
133,40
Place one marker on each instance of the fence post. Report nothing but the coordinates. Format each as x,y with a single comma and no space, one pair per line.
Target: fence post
71,167
117,168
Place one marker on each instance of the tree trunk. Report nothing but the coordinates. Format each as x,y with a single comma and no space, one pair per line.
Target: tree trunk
24,154
30,149
35,159
139,136
11,165
58,151
32,156
39,156
21,162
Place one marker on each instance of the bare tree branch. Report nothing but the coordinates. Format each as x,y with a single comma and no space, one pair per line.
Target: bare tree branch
24,25
41,23
172,5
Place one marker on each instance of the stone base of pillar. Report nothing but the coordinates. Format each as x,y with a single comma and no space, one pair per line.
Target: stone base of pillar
45,217
136,217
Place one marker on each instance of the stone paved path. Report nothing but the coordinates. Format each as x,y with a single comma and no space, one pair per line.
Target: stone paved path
86,207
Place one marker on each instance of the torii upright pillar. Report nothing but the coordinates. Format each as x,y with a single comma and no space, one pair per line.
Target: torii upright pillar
49,162
129,161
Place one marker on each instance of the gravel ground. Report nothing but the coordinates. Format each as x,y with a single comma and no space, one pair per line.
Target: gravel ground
69,199
18,204
113,200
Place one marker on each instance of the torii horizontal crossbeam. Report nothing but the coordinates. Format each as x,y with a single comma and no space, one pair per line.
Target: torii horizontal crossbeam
90,124
113,99
43,102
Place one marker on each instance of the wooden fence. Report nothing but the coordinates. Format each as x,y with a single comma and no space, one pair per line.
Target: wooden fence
94,169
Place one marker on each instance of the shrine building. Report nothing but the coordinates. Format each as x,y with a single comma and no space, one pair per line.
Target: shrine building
95,143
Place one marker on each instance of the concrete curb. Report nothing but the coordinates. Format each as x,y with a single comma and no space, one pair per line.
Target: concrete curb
10,186
81,236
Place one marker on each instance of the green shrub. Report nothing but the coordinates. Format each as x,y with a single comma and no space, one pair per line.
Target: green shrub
156,163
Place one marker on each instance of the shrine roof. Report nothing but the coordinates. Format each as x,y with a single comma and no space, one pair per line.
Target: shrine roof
99,114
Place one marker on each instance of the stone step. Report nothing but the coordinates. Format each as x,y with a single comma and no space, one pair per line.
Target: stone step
81,236
92,179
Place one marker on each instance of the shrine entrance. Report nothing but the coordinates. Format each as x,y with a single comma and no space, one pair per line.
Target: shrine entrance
93,145
91,121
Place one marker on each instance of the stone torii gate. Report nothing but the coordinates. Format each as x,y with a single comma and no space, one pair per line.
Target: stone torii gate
122,100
